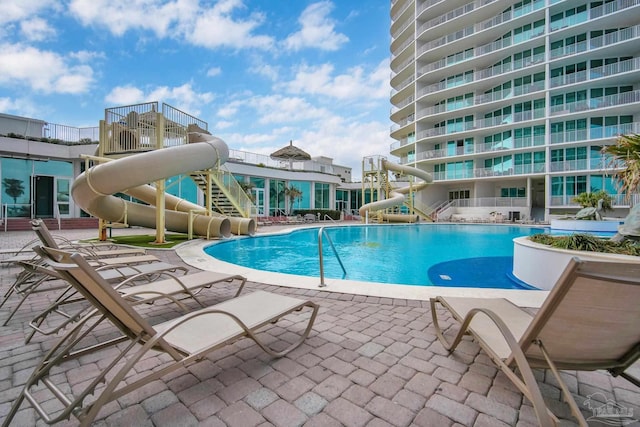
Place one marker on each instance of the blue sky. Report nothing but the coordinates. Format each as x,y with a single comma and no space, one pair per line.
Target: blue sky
260,72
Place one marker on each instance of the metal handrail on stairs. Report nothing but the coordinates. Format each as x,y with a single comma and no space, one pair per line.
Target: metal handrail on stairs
322,232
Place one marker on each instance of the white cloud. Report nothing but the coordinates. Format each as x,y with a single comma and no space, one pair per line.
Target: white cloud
318,30
183,97
280,109
215,27
125,95
207,26
355,84
222,124
229,109
120,16
214,71
16,10
269,71
43,71
37,29
84,56
19,107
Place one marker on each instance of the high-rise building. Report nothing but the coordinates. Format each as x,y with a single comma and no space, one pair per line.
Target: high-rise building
509,103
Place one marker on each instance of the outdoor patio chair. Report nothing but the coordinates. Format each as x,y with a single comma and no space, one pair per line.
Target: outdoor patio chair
183,340
117,276
588,322
102,250
35,276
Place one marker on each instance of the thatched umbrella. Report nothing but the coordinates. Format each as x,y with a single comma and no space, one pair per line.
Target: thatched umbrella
290,153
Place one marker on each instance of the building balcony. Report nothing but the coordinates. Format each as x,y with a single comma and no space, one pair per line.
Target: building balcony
481,26
408,23
481,99
508,119
617,200
481,51
591,104
591,14
398,51
403,85
402,123
594,133
56,134
481,75
597,73
399,106
630,34
399,12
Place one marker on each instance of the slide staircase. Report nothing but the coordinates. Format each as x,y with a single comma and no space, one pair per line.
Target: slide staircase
226,195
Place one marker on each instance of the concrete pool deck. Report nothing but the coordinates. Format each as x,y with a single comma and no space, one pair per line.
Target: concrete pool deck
370,360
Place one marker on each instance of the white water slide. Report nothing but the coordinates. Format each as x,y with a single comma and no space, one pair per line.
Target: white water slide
397,196
94,189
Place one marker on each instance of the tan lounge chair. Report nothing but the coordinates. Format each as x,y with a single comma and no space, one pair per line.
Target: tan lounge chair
588,322
37,276
103,250
184,340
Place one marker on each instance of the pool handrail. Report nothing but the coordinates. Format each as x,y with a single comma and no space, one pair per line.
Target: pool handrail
322,232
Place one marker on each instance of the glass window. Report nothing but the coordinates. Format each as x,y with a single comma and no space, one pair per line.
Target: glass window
321,196
16,187
276,197
304,201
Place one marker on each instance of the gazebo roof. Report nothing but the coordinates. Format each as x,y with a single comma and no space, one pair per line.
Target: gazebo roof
291,153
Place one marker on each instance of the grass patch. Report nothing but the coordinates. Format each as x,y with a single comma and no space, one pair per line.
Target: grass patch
587,242
146,240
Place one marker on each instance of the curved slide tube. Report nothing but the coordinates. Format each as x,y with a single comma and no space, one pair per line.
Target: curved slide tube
147,194
94,189
396,197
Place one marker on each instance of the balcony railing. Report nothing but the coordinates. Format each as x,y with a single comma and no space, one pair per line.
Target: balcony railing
481,99
593,13
482,26
406,82
404,26
61,134
408,100
594,133
401,48
596,73
484,123
596,103
398,13
453,14
478,202
567,200
619,36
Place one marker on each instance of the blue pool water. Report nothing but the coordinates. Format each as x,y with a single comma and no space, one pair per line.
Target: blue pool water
419,254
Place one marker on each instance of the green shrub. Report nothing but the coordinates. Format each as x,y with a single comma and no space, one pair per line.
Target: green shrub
587,242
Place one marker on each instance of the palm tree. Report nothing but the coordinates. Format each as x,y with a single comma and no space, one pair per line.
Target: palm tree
626,151
293,193
13,188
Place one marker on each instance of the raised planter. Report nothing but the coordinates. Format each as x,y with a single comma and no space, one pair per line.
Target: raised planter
541,266
584,225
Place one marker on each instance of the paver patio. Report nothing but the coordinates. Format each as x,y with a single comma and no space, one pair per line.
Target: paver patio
369,361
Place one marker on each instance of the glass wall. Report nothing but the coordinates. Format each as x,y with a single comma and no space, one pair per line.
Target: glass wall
304,201
322,196
277,197
182,186
52,188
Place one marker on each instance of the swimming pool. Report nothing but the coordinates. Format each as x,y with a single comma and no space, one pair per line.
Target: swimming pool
455,255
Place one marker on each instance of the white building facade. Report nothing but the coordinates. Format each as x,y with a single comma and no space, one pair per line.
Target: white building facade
508,104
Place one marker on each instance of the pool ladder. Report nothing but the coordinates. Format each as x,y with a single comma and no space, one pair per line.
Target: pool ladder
322,232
